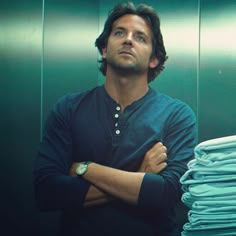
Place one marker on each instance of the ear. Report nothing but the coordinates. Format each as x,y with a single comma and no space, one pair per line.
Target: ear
104,52
153,62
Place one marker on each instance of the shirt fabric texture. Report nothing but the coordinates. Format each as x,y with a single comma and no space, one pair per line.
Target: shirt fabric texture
89,126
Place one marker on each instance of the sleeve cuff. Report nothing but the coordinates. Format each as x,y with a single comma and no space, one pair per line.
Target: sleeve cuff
151,192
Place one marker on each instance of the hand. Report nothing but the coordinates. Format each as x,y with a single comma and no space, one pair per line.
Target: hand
155,159
73,168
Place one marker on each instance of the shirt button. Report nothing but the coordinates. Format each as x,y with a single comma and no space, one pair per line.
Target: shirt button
117,131
116,115
118,108
116,124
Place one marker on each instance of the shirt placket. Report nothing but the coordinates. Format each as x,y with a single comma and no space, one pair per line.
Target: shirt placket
116,120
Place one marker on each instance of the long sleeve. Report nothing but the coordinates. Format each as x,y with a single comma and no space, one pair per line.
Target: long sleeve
54,188
164,190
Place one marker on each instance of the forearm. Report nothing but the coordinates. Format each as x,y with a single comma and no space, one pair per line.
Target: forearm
118,183
96,196
122,184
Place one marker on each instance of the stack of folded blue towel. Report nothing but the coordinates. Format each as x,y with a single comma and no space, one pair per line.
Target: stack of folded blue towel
209,187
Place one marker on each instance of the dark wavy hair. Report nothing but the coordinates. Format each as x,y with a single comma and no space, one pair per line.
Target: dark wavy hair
152,19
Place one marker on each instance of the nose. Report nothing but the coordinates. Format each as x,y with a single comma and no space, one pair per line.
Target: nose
128,39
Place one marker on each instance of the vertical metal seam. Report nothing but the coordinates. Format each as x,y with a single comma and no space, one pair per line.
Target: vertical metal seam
42,72
98,30
198,57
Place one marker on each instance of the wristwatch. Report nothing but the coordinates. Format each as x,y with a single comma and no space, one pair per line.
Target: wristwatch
82,168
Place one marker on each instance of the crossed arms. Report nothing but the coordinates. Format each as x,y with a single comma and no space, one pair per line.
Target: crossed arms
152,184
107,183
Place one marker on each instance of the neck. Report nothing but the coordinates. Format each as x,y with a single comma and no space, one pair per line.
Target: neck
126,89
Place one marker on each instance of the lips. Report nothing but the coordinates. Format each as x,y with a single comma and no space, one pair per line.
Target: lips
125,52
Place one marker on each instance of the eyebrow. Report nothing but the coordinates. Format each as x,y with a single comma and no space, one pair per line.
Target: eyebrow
118,28
137,31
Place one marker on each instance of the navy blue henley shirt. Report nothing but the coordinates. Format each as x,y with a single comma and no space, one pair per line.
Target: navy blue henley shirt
89,126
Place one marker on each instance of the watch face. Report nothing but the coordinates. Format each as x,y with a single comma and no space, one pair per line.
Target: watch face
81,169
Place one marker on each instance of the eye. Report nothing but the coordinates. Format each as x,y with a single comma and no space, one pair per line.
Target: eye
140,38
119,33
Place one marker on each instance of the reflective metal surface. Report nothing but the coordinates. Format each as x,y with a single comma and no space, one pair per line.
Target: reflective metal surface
20,51
43,56
217,81
70,57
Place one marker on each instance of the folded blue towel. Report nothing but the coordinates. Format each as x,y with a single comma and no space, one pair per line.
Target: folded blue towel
196,216
188,199
213,189
207,207
209,187
223,144
214,159
203,181
210,232
210,224
208,176
205,175
206,226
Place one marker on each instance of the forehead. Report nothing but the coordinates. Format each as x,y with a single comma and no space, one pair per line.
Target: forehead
132,22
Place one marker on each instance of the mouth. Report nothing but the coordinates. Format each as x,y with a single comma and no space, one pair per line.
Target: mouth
125,52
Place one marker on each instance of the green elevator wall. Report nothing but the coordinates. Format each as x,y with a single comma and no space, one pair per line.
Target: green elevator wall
217,71
70,56
20,51
47,49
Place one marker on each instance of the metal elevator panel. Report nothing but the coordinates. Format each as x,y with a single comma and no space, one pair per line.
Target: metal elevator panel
69,63
217,81
180,27
41,62
70,57
20,59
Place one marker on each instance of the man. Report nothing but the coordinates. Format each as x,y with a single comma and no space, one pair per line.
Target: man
111,157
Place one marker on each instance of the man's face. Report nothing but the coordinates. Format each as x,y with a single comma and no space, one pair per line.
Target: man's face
129,45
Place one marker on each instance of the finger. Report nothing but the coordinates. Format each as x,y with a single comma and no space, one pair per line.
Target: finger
160,147
160,158
163,157
156,169
158,144
161,167
156,150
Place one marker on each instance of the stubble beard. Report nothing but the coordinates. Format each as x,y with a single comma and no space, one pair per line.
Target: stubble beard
125,68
